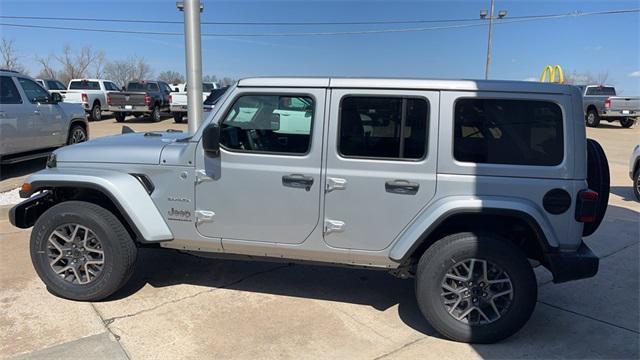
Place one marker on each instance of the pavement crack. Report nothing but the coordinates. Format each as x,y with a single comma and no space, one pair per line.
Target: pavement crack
106,326
400,348
112,319
363,324
589,317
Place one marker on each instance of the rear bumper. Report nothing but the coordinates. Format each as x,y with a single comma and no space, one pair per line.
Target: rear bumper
129,108
619,113
178,108
579,264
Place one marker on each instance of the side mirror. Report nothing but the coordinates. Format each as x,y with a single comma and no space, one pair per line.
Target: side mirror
211,140
56,98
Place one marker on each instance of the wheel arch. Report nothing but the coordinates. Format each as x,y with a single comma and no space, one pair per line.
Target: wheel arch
592,107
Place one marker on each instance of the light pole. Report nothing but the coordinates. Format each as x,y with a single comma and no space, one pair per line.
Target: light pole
490,17
193,57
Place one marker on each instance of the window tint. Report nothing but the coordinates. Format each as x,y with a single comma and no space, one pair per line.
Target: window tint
109,86
379,127
84,85
269,123
601,91
8,91
34,92
518,132
55,85
142,86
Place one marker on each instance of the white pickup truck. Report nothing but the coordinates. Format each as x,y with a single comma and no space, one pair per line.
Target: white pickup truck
91,94
178,99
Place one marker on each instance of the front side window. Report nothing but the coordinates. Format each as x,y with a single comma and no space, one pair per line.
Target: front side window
34,92
383,127
269,123
515,132
8,91
84,85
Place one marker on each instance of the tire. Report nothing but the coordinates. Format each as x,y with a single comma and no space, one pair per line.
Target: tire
77,134
497,253
155,114
96,112
178,118
118,251
120,117
592,118
636,184
598,180
627,122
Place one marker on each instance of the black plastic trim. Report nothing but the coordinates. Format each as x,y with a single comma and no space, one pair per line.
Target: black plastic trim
579,264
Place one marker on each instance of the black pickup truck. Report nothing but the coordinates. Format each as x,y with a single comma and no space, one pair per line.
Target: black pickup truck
140,97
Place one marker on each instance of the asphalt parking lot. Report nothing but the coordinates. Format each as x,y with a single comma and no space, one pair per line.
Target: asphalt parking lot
181,306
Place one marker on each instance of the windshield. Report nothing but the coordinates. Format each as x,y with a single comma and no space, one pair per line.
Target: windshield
215,96
84,85
142,86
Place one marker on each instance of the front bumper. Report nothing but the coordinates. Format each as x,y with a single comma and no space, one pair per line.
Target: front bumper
130,108
579,264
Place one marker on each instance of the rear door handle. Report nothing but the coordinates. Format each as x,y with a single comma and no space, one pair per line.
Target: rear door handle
298,181
37,112
403,187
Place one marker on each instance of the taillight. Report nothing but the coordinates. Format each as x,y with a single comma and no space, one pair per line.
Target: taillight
108,99
587,206
607,104
170,99
85,98
147,99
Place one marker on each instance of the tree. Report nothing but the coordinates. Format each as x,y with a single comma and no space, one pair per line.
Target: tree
586,78
210,78
227,81
47,71
171,77
75,66
9,57
123,71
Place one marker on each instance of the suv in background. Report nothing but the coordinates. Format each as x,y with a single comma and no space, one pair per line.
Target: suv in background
460,184
33,121
601,103
52,86
92,94
140,97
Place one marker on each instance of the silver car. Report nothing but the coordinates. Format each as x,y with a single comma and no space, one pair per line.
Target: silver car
458,184
33,122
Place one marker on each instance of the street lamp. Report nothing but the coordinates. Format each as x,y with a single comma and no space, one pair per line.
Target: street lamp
484,15
193,57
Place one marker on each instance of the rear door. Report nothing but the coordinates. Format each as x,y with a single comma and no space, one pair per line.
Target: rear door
381,164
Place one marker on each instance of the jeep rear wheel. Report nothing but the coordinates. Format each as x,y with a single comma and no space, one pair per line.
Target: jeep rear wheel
81,251
475,288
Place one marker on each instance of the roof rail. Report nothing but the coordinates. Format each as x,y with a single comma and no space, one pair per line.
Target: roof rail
9,70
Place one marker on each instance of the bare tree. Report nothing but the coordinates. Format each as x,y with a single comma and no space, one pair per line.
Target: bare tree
47,70
123,71
77,65
9,57
210,78
98,66
586,78
227,81
171,77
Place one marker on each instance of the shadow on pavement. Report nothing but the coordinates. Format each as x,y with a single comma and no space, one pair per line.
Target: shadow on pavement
625,192
22,168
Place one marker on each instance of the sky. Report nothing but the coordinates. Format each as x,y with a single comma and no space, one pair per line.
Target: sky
596,44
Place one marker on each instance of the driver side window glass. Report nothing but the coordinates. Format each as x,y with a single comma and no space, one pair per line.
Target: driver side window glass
34,92
269,123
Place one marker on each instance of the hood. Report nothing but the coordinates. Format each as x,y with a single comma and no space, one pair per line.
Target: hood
132,148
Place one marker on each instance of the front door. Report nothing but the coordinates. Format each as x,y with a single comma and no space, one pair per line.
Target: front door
265,186
381,164
45,119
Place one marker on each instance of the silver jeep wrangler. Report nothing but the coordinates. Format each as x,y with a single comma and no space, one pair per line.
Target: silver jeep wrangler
463,185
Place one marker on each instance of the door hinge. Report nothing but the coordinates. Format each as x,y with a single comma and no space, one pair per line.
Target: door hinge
331,226
335,184
203,216
201,176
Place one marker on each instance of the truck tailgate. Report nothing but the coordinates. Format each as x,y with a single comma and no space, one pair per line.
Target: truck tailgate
73,96
625,103
127,98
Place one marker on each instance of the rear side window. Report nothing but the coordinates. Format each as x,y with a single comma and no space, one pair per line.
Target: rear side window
515,132
601,91
84,85
269,123
383,127
8,91
55,85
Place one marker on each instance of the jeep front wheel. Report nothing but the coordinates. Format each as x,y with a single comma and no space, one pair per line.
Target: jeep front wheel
475,288
81,251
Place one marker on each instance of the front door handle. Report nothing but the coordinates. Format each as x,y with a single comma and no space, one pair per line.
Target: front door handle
298,181
401,187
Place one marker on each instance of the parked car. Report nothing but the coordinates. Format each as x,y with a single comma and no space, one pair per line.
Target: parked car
33,121
461,185
601,103
53,86
178,99
178,103
634,170
92,94
207,87
139,98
